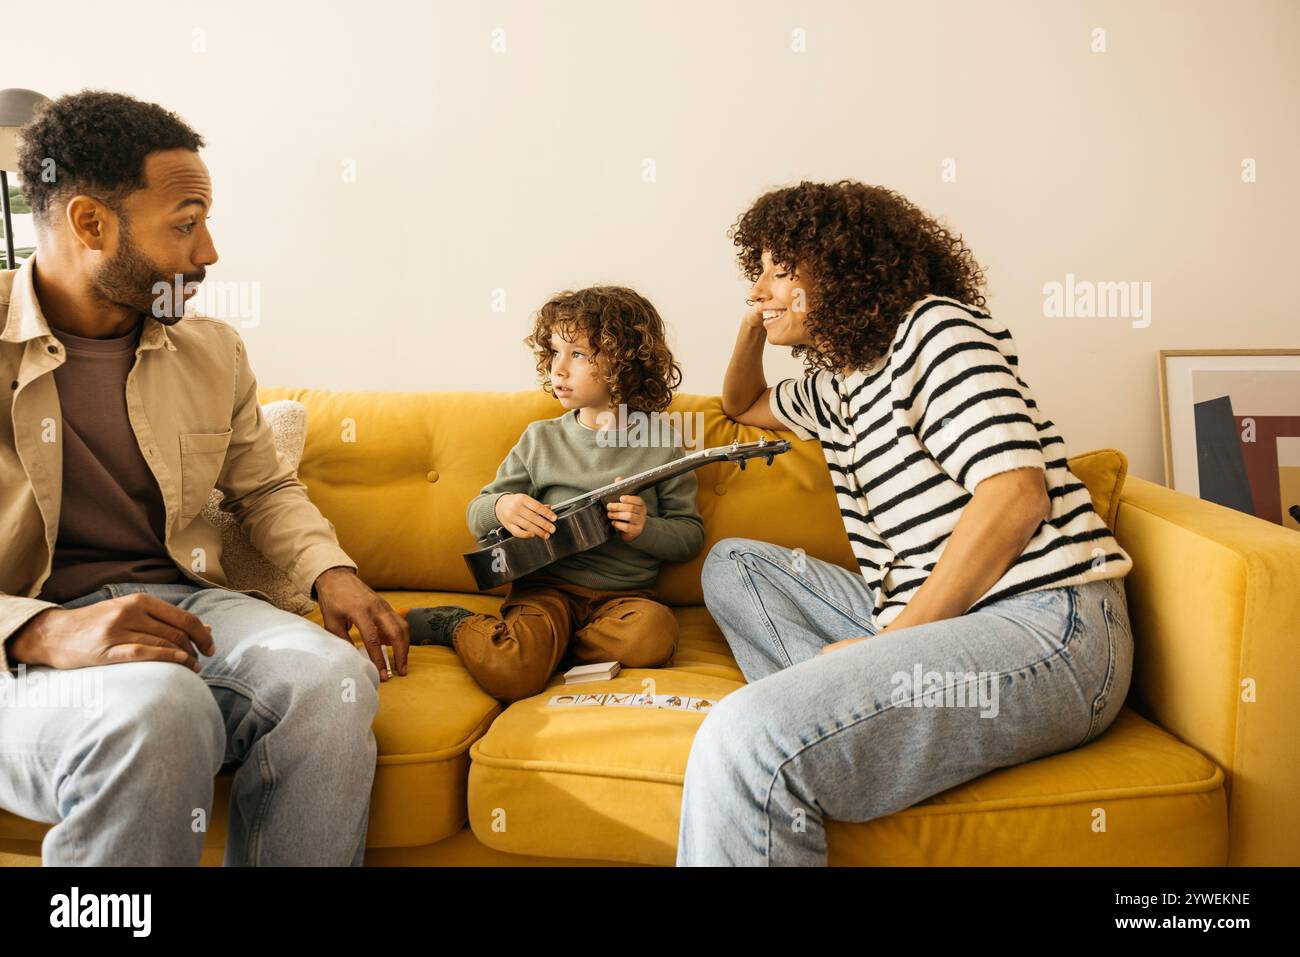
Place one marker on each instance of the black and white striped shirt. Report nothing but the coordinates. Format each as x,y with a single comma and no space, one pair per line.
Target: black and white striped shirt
909,438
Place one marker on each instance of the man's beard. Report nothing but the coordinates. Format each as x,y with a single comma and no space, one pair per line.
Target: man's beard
134,280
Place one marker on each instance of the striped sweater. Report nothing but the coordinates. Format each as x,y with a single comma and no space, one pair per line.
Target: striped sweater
909,438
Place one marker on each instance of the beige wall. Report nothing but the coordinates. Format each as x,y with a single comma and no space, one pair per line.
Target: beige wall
522,171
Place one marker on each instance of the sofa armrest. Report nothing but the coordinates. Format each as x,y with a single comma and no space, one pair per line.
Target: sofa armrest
1214,596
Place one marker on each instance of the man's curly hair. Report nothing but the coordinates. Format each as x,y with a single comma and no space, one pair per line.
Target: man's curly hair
868,255
98,142
626,329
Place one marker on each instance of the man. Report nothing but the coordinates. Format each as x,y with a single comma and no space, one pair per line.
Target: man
122,416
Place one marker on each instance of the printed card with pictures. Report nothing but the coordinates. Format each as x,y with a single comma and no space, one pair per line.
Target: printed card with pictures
630,699
673,702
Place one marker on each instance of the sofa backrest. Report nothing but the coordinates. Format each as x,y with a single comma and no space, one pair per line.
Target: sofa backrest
394,472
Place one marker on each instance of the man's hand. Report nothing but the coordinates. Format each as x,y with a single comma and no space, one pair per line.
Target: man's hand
524,517
345,600
627,514
139,627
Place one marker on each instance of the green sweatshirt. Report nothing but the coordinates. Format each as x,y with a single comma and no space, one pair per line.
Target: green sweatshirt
557,459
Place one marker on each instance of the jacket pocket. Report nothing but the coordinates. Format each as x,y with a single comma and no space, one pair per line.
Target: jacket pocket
202,456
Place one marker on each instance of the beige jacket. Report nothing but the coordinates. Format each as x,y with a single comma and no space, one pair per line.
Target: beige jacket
192,401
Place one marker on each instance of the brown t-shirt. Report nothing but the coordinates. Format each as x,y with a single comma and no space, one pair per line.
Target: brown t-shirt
112,518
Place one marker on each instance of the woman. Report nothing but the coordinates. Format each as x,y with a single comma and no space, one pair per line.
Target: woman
985,571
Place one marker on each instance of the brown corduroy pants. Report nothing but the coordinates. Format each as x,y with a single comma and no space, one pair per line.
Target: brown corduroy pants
547,622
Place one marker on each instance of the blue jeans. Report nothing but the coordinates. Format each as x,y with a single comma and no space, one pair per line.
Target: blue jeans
121,760
873,728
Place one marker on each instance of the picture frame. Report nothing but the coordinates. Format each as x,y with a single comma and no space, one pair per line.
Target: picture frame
1230,427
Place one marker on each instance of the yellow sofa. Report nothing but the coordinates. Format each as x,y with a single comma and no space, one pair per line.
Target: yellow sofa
1199,769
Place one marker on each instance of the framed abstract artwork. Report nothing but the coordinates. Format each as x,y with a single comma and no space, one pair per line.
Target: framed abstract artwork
1231,422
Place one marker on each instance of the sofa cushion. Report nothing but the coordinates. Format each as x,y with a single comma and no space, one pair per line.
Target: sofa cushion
1136,795
427,721
606,783
589,782
1103,471
394,472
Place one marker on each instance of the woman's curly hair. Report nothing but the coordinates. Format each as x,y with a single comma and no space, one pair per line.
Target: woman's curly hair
626,329
868,255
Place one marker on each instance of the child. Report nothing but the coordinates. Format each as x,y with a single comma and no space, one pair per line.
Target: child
597,349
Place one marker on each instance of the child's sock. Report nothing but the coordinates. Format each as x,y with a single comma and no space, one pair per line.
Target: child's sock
435,626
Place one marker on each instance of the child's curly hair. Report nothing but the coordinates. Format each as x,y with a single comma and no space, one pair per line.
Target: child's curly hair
868,254
621,325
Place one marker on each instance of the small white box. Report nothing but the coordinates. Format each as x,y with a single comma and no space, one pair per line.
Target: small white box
600,671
